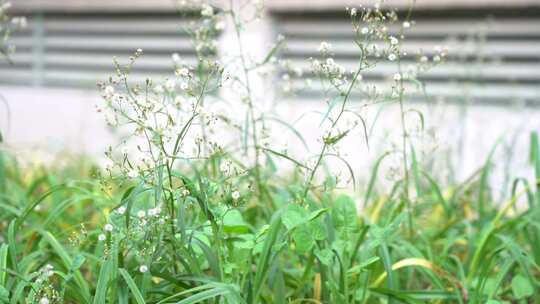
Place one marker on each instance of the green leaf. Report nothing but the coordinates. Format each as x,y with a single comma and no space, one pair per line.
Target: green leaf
77,262
521,287
3,264
266,254
344,214
318,230
325,256
233,222
293,216
317,213
303,238
363,265
205,295
102,283
132,286
4,295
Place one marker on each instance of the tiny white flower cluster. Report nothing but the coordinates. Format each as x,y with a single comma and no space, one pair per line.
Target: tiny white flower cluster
226,168
325,47
440,53
334,72
48,270
8,24
205,33
157,112
235,195
44,291
290,73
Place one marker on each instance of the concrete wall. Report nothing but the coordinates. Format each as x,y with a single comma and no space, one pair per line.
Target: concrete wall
158,5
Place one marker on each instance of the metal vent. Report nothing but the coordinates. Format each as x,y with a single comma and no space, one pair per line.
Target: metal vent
77,50
494,55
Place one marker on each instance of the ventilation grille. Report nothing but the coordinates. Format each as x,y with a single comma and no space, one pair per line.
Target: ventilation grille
77,50
494,56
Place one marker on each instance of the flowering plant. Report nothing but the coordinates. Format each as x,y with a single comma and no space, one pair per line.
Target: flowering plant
7,25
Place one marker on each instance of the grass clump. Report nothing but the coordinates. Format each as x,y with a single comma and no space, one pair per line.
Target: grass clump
192,207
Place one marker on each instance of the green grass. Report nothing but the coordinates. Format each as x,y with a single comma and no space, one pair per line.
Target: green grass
326,250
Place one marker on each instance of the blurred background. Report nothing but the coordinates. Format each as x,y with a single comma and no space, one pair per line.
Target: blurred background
488,90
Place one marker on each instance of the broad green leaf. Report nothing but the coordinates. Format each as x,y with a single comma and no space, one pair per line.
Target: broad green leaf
316,214
325,256
521,287
4,295
233,222
319,230
344,214
293,216
303,239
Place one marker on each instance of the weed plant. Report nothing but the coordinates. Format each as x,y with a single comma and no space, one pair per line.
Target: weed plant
193,207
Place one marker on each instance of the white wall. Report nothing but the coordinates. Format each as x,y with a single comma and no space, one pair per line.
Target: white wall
59,120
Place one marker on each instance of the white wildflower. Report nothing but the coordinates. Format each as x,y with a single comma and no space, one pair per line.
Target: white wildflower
102,237
207,10
183,72
235,195
325,47
132,173
169,85
109,91
108,227
154,211
176,58
158,89
109,164
365,30
20,22
220,25
143,268
406,24
393,40
44,300
121,210
397,76
392,57
141,214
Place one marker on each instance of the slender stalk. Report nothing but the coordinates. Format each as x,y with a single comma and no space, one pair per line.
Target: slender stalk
249,99
334,123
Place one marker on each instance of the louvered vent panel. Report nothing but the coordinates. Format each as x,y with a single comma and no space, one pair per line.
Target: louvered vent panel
77,50
503,67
